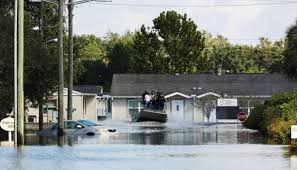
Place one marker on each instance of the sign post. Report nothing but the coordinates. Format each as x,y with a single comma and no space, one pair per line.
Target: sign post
7,124
294,132
227,102
241,116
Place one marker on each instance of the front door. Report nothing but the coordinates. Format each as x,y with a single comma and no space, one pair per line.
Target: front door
177,109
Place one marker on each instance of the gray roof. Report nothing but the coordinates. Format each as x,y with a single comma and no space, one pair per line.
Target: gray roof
230,84
88,89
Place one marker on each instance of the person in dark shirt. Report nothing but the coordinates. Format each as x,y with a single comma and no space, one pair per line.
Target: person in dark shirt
160,100
153,100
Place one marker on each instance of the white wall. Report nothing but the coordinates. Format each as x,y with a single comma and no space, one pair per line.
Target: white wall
91,110
119,109
77,104
188,111
198,117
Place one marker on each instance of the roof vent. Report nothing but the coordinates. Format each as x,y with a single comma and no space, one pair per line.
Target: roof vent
196,88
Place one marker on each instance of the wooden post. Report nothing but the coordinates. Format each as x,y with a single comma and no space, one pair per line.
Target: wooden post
20,76
61,71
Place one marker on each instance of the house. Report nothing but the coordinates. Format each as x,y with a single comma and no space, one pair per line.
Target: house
196,97
88,102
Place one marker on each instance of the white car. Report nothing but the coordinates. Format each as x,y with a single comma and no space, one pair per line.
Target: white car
71,128
97,126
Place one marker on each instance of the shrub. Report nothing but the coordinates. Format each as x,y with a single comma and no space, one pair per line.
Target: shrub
255,118
276,116
279,130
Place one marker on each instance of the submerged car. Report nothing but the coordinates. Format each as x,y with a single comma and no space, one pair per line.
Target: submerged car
71,128
97,126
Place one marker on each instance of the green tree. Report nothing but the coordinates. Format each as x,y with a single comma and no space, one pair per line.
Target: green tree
221,55
290,60
40,63
85,48
150,55
172,45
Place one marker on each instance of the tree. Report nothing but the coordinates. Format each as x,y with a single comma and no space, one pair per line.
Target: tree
221,55
6,65
120,58
40,63
85,48
172,45
150,55
290,60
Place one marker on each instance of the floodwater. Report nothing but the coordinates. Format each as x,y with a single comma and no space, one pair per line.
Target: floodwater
154,146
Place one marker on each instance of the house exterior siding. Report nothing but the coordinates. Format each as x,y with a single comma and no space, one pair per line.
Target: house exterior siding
188,113
197,94
84,107
120,109
91,111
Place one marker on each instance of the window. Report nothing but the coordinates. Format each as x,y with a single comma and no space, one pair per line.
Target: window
50,105
134,107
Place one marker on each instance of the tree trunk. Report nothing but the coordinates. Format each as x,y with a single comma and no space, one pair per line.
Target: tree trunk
40,121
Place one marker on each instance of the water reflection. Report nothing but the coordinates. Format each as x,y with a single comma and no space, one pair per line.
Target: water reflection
168,146
147,157
162,135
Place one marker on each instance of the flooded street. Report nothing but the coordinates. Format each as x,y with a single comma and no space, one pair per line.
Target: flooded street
172,146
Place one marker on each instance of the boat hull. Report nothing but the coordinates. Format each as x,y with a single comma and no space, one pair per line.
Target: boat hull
152,115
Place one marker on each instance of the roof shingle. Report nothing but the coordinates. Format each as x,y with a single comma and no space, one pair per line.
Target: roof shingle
231,84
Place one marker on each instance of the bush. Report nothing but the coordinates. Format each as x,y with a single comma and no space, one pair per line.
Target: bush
276,116
280,130
255,118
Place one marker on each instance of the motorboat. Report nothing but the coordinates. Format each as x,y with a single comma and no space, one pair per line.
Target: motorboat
151,115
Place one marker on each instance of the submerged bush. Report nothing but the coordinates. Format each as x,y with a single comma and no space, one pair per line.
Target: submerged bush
276,116
279,130
255,118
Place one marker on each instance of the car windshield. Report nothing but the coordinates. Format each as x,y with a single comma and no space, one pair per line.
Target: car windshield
71,125
88,123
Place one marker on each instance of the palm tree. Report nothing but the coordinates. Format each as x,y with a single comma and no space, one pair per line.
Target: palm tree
290,60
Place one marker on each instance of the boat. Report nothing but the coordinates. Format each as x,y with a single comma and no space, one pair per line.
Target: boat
151,115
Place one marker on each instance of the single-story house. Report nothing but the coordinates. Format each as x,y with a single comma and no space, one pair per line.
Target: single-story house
196,97
88,103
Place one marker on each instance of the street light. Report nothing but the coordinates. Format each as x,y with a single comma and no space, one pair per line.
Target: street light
36,28
51,40
60,49
71,4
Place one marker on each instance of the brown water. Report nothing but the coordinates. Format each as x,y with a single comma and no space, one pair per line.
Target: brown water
172,146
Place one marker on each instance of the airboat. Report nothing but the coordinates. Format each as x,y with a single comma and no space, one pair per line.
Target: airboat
151,115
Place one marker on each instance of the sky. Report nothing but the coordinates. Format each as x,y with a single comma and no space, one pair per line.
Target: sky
241,21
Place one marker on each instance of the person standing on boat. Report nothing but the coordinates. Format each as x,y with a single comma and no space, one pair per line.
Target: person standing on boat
143,94
160,101
153,100
146,99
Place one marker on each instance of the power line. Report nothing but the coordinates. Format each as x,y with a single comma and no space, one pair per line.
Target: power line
199,6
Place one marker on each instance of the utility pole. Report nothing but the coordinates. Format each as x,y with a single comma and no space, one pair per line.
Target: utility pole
15,70
70,59
41,19
61,71
70,52
20,76
40,102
